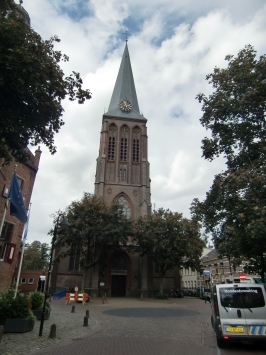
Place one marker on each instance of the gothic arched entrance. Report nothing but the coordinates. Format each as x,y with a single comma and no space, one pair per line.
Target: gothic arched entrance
119,275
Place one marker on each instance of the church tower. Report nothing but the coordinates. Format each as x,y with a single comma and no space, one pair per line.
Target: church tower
122,172
122,175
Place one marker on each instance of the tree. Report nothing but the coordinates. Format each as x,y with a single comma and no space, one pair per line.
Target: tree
95,229
32,86
234,209
235,112
170,240
36,256
234,213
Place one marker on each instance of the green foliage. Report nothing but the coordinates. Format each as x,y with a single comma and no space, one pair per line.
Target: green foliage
36,300
96,228
235,112
161,296
14,308
169,239
36,256
234,210
32,86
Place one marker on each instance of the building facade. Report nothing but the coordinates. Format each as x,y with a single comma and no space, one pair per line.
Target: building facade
122,175
12,228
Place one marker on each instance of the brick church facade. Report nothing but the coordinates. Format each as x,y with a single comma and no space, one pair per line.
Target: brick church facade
123,175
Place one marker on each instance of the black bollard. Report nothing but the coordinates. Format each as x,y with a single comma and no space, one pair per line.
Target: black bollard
103,299
52,334
88,313
1,332
86,323
73,309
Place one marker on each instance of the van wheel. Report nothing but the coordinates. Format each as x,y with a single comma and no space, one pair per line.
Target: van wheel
220,343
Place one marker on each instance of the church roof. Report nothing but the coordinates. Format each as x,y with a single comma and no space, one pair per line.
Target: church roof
124,90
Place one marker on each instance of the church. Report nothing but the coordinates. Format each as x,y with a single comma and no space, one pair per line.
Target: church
122,175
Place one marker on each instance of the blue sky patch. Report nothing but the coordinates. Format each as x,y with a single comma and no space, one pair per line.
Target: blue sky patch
77,11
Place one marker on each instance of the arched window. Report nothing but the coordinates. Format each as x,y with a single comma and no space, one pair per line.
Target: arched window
111,142
135,148
119,263
125,206
124,143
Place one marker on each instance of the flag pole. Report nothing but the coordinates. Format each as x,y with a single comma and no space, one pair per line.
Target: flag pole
22,252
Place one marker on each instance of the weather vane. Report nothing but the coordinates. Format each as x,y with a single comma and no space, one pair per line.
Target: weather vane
126,34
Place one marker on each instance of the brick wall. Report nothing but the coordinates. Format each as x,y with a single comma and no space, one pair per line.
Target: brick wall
27,173
30,279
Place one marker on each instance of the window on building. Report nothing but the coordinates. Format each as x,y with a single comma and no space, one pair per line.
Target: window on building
135,150
123,143
23,280
20,181
30,281
74,262
111,143
5,239
125,206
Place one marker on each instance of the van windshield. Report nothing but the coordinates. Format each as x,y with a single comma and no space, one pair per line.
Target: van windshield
242,297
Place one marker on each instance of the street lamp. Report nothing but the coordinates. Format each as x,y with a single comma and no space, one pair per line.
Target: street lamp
62,223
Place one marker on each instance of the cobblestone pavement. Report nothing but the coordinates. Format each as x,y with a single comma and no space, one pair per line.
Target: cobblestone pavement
154,333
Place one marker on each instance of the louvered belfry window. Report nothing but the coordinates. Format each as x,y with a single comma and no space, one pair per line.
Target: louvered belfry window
124,143
111,143
135,153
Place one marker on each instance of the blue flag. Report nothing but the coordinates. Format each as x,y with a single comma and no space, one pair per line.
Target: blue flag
17,206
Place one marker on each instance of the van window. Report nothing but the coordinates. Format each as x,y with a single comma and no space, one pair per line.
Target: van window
242,297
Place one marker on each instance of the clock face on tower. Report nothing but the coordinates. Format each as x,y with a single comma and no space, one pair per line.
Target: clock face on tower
125,105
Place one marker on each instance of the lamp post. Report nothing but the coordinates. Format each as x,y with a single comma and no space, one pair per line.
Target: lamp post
65,223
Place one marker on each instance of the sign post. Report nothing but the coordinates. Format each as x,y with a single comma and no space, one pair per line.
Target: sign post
243,277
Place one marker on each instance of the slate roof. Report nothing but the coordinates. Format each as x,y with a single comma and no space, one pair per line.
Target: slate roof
124,90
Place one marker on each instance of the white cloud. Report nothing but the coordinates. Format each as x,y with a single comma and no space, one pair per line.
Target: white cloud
173,45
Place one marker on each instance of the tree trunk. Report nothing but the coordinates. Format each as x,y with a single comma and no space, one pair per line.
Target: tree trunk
161,283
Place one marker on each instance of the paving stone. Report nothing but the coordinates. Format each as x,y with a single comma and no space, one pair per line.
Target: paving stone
149,333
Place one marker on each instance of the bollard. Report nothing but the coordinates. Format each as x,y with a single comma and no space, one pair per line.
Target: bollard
73,309
86,323
103,299
105,296
52,331
88,313
1,332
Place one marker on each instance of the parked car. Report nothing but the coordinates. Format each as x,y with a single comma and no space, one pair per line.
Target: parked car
239,313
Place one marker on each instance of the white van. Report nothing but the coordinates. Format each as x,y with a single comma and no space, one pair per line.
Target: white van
239,313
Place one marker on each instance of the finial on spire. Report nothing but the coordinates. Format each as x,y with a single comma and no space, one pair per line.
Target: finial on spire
21,2
126,34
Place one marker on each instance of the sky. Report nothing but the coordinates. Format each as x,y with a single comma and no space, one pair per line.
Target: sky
173,45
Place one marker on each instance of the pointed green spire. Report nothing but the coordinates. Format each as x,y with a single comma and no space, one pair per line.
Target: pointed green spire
124,92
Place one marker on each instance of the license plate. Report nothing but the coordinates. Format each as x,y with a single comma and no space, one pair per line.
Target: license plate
235,329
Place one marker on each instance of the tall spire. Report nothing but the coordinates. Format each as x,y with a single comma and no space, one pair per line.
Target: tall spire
124,102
